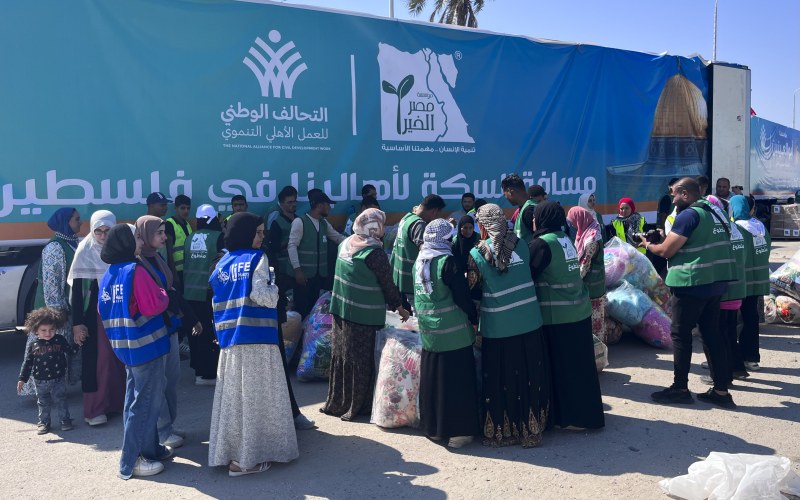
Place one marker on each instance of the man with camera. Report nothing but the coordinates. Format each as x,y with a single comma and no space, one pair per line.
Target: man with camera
701,263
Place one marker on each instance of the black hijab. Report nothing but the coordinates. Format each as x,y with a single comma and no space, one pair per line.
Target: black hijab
464,245
549,217
120,245
241,230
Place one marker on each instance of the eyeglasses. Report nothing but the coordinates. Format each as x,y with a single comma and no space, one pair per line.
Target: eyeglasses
100,232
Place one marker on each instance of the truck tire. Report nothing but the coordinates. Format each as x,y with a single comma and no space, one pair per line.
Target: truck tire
27,291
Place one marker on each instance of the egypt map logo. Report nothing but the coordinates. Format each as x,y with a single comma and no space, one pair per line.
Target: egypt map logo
275,70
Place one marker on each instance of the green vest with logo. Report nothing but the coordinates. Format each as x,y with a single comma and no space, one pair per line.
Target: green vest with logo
357,296
404,254
522,232
738,289
284,266
562,294
443,325
757,270
200,250
69,254
619,229
595,279
705,258
313,248
180,239
508,305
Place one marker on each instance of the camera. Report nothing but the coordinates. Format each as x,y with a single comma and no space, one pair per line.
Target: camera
651,236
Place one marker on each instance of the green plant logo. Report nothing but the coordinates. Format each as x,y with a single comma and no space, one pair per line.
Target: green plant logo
402,89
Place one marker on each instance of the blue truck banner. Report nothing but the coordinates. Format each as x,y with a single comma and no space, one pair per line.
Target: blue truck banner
774,159
107,101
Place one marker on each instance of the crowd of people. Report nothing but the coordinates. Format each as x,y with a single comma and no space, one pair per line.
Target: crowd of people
528,291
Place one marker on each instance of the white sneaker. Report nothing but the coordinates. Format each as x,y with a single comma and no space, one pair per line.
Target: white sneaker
98,420
173,441
302,423
752,366
459,441
146,467
205,381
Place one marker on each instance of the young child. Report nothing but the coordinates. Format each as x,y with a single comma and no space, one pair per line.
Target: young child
46,360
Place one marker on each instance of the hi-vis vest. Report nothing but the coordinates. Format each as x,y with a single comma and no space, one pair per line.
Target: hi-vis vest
404,254
522,232
284,266
738,289
69,255
757,272
180,239
357,296
200,251
562,294
312,251
443,325
619,228
508,306
135,339
237,319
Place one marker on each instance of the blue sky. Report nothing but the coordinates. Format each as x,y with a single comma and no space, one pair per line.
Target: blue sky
761,34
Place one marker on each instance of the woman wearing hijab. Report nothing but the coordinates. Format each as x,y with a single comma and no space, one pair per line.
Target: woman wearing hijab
589,244
757,275
251,420
516,372
448,394
151,229
464,241
587,201
362,289
103,375
132,306
627,223
566,312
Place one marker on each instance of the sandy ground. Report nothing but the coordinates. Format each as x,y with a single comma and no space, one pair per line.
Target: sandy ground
641,443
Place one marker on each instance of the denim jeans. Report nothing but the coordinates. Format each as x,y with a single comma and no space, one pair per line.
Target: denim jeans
169,408
49,393
144,396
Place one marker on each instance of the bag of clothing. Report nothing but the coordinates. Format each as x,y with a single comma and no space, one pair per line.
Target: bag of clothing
781,309
315,359
622,260
409,338
395,321
615,260
627,304
292,330
396,399
600,354
786,279
655,328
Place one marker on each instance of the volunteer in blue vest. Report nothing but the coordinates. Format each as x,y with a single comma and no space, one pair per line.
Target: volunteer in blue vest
178,229
179,312
700,264
408,242
758,248
517,194
201,249
566,312
308,251
589,244
448,393
362,290
132,306
251,420
515,368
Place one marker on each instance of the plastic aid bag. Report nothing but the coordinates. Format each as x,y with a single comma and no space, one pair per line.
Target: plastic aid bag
409,338
623,261
739,476
627,304
315,359
600,354
396,400
781,309
655,328
786,279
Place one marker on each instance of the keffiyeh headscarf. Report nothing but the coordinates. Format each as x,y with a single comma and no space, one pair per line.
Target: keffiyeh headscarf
87,263
435,242
59,224
493,221
368,230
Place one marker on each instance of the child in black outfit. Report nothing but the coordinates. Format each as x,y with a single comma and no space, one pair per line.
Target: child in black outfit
46,359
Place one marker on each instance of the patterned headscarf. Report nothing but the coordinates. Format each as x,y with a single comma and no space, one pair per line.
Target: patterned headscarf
435,242
586,227
368,230
59,224
87,262
493,220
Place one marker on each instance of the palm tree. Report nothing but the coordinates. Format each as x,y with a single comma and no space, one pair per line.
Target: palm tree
461,12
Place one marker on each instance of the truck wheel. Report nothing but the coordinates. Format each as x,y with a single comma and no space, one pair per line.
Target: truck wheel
27,292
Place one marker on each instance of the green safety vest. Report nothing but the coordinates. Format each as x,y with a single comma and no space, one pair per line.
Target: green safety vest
404,254
200,251
357,296
443,325
562,294
738,289
283,265
180,239
595,279
69,254
508,305
705,258
522,232
757,270
619,228
313,248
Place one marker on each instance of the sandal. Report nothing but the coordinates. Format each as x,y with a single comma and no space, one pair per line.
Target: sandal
242,472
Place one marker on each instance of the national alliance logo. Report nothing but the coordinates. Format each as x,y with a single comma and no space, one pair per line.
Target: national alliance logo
275,70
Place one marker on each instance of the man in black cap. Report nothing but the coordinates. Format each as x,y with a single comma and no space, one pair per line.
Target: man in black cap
157,204
308,251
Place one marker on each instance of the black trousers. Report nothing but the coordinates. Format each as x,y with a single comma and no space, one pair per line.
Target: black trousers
728,322
748,341
688,311
305,296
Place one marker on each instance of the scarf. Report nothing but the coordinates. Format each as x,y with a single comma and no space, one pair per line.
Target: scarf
368,230
740,208
120,245
631,222
464,245
493,221
549,217
240,231
435,242
586,227
146,226
583,202
87,262
59,224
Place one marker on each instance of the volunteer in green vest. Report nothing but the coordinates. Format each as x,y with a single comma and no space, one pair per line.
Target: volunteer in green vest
201,250
178,230
515,192
566,313
157,207
627,223
589,244
448,392
362,289
515,382
700,264
308,251
408,242
757,277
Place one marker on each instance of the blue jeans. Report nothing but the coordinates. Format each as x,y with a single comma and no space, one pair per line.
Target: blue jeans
144,395
169,410
49,393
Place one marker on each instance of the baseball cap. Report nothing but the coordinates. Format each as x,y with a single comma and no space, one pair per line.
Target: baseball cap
154,198
206,211
318,196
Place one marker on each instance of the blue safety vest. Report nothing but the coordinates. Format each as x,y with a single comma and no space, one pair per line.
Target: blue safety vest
135,339
237,319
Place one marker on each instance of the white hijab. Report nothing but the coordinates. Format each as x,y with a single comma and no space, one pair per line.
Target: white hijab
87,263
